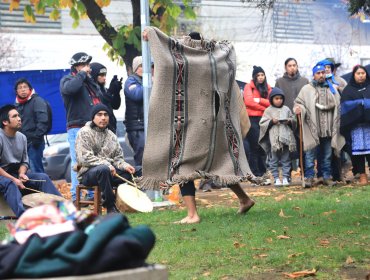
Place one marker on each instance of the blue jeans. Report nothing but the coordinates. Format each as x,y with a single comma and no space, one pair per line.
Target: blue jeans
35,155
136,139
324,150
13,196
72,135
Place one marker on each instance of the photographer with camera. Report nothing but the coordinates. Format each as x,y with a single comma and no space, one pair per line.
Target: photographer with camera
80,93
111,96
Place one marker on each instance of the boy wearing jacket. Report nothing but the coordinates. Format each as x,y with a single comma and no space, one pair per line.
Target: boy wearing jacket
277,137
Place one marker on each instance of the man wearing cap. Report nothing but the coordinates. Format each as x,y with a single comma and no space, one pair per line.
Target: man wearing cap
111,96
100,156
14,163
80,93
320,112
134,116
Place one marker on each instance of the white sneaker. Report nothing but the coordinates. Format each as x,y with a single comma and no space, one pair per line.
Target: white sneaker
277,182
285,182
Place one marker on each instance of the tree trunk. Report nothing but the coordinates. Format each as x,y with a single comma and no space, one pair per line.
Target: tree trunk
105,29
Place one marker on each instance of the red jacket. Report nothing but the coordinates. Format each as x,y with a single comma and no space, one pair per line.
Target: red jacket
255,109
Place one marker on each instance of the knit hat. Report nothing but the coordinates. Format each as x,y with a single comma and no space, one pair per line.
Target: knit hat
317,68
97,69
97,108
136,63
276,91
256,70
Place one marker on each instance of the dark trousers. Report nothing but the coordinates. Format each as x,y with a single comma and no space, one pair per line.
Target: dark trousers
35,155
13,196
136,139
257,157
101,175
358,163
188,189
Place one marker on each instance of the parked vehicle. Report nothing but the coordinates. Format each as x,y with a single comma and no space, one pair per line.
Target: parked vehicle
57,160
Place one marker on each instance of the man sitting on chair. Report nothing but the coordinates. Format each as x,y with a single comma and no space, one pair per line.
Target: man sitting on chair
14,173
100,156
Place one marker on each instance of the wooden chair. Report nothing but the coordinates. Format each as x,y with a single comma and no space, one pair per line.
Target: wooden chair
96,202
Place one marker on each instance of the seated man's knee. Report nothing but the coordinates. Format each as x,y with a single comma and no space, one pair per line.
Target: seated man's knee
103,169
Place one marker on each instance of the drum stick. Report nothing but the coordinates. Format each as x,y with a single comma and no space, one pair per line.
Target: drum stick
127,181
34,180
32,190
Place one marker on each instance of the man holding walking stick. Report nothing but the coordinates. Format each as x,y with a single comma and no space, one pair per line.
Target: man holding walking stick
14,174
319,110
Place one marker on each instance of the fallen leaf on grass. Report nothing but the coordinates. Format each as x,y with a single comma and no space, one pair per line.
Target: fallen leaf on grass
207,273
203,201
329,212
302,273
295,255
260,256
237,245
324,242
283,237
296,208
281,214
337,200
280,197
268,240
349,260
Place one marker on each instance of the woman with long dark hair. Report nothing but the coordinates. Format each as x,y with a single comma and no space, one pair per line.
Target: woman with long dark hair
256,99
355,120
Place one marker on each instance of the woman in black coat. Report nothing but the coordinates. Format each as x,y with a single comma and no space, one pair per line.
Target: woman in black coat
355,120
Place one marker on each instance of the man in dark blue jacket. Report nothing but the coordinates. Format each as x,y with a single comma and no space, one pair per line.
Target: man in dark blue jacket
111,96
134,117
34,113
80,93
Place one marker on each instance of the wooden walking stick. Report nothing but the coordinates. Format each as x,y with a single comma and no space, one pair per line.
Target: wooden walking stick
301,149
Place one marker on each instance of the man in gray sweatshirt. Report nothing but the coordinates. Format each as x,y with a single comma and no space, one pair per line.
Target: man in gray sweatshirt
14,174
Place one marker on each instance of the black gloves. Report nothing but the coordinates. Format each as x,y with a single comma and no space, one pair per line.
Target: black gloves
115,85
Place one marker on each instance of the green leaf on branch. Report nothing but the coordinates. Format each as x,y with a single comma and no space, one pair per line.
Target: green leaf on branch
189,13
54,15
40,8
74,14
76,23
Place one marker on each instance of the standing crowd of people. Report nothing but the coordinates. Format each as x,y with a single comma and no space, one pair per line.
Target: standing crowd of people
333,117
331,114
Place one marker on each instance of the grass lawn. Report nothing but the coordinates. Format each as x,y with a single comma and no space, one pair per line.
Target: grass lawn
289,230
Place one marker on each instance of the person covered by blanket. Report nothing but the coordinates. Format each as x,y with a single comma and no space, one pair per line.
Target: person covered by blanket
277,137
319,108
14,163
100,157
194,129
355,120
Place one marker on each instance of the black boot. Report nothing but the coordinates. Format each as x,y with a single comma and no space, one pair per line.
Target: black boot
113,209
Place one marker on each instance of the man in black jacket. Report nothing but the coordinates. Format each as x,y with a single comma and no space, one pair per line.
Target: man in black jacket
34,113
111,96
80,93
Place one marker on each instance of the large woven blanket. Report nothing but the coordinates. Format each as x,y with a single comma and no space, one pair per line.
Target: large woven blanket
194,123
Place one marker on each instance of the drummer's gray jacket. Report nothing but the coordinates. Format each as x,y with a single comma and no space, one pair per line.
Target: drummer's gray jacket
13,151
96,146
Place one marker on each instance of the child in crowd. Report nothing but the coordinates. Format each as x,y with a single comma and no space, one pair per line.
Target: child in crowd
277,137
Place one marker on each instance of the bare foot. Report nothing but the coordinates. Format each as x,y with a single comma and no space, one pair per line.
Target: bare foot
245,205
188,220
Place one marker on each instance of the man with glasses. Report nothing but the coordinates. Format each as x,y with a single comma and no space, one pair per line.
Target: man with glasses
34,113
80,93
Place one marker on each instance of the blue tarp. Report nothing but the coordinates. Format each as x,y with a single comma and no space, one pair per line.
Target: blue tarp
46,84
